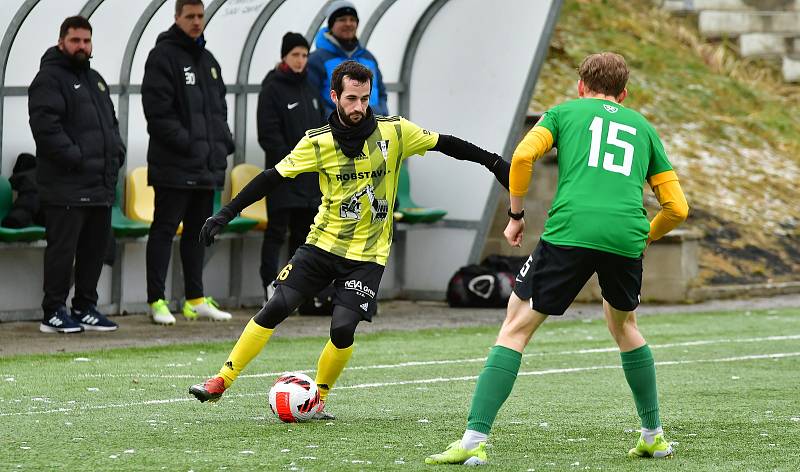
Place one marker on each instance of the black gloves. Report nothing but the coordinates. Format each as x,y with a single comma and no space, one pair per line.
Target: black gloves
214,225
501,168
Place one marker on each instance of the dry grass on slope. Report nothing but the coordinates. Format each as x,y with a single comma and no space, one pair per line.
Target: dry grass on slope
730,126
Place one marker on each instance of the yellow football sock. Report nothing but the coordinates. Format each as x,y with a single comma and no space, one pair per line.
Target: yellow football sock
330,365
251,341
196,301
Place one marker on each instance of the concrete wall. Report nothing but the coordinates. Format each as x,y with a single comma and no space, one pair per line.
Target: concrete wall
735,5
764,28
716,24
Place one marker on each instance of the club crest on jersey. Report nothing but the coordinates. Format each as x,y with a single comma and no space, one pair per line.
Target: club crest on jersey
610,108
101,86
351,208
384,147
214,74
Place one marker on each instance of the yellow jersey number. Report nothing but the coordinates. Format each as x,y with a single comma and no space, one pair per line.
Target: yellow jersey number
285,272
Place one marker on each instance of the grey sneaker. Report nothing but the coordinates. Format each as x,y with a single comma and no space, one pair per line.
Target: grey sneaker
321,414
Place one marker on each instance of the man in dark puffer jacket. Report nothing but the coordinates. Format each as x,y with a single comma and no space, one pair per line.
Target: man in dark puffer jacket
184,102
288,105
80,153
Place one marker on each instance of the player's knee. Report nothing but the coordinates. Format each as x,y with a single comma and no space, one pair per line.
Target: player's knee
282,303
343,336
343,326
622,327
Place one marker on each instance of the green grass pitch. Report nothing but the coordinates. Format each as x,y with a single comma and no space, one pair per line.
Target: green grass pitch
729,386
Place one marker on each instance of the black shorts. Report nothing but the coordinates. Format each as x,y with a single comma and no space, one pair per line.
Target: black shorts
356,283
553,275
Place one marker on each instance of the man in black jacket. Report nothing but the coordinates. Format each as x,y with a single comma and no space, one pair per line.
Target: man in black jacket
184,102
288,105
80,153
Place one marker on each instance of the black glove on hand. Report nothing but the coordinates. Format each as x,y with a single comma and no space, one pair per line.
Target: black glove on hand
501,168
214,225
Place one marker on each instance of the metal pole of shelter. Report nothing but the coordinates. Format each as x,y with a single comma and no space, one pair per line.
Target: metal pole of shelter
5,51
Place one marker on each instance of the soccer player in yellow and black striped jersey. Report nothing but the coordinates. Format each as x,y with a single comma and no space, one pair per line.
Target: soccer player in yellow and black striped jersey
358,157
597,224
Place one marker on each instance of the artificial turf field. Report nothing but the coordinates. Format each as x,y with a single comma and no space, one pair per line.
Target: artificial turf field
729,385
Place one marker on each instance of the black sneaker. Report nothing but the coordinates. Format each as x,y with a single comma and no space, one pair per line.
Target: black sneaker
60,322
93,320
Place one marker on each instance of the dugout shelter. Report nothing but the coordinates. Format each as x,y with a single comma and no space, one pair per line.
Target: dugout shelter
453,66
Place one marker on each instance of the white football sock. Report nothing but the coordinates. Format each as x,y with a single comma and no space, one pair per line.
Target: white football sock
649,435
472,438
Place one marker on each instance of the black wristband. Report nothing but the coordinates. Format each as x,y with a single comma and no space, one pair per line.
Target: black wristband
516,216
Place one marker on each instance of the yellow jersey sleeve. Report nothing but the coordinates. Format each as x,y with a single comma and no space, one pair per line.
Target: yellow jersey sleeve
303,158
416,140
674,208
534,145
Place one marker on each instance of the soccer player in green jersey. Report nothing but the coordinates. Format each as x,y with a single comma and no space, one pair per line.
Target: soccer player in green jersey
358,157
597,224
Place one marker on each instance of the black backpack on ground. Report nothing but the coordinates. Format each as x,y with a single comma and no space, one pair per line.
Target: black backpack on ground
25,211
485,285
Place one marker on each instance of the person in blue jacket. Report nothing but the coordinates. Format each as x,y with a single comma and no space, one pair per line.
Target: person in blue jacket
338,43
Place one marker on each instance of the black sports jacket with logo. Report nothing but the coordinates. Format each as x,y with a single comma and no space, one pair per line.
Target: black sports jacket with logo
78,147
183,95
288,105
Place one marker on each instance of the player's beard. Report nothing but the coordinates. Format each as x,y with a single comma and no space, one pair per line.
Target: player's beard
80,59
346,120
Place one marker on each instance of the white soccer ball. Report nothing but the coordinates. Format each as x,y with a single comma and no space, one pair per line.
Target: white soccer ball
294,397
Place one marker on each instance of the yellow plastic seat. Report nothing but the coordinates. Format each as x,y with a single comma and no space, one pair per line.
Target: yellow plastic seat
241,175
140,201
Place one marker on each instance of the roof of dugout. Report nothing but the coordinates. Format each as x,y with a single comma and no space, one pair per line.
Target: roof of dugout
450,65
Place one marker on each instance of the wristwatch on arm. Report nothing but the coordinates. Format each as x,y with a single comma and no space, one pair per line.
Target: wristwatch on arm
516,216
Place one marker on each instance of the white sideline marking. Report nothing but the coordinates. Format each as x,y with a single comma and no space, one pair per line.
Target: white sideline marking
779,355
702,342
575,369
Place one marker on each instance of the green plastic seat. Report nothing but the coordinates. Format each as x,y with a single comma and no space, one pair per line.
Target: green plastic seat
239,224
122,225
406,210
29,233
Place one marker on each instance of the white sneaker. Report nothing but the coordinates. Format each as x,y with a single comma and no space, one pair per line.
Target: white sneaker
208,309
160,314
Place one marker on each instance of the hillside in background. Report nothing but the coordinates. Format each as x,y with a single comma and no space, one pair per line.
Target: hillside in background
730,126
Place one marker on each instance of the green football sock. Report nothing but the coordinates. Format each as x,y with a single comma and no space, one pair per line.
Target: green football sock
640,372
494,385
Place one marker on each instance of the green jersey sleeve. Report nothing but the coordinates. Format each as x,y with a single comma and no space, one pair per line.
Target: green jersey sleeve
416,140
658,157
303,158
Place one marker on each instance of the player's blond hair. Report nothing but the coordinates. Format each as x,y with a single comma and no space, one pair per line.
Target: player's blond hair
604,72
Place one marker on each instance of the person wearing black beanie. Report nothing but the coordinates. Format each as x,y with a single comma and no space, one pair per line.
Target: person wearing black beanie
292,40
288,105
340,9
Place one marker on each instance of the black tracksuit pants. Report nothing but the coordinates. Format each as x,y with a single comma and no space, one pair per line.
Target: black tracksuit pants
297,221
173,205
75,235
